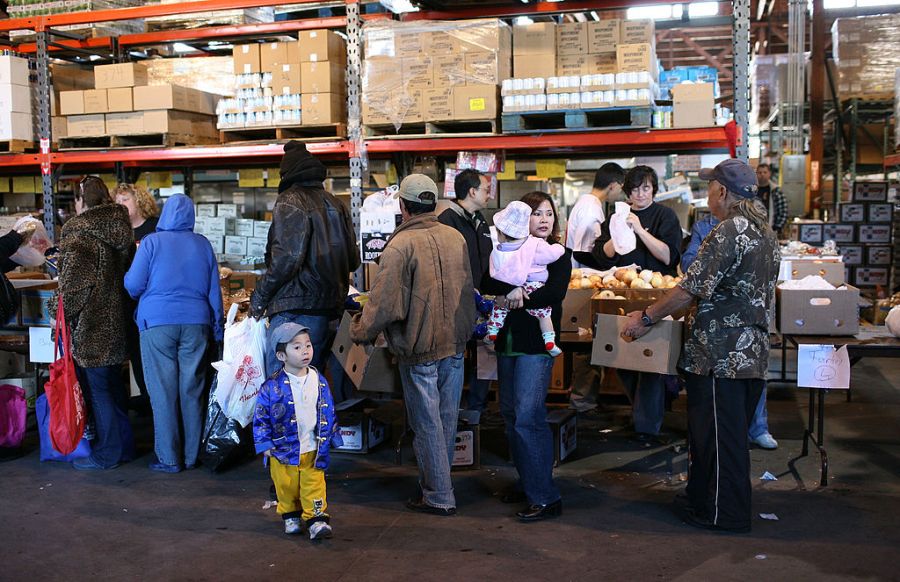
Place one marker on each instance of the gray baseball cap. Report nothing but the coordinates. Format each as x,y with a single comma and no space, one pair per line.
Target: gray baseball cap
737,177
413,186
285,332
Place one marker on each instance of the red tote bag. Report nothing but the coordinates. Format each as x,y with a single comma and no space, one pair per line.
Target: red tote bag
64,397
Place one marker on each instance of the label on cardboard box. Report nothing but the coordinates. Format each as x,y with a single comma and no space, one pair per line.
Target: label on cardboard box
216,226
261,228
839,233
206,210
256,246
853,212
871,276
878,255
636,58
870,191
572,38
217,242
417,72
236,245
244,226
227,210
437,104
875,233
449,70
637,31
603,36
881,212
852,254
464,450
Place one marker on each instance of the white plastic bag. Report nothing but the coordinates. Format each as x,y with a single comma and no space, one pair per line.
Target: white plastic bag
893,321
241,372
623,238
32,254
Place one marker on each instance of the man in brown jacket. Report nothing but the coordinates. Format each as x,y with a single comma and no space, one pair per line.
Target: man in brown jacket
423,300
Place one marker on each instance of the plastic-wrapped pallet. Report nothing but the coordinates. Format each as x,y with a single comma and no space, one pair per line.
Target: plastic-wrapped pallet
221,17
28,8
897,109
433,71
867,50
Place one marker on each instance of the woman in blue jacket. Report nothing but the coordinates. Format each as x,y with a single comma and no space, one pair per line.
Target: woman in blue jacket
175,279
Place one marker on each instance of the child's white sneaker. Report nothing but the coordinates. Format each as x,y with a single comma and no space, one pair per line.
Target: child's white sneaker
293,526
320,530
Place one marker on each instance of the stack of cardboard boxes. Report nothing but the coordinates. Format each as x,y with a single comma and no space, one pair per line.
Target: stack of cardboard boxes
230,234
866,52
417,72
583,65
301,82
16,120
865,233
122,104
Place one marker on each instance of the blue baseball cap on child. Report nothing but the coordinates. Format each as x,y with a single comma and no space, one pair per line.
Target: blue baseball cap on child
284,333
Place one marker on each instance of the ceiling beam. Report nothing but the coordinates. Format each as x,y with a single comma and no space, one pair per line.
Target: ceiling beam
711,59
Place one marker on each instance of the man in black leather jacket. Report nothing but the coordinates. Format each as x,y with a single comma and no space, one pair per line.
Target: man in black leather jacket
309,257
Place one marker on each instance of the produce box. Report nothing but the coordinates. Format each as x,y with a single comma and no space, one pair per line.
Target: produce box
831,271
467,452
818,312
371,368
657,351
576,309
360,431
564,426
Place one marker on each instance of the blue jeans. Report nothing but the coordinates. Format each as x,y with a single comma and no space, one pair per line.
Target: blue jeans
478,393
432,391
104,389
760,423
647,394
175,369
524,381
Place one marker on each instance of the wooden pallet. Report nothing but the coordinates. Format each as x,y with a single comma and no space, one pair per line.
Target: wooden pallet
17,146
103,142
467,128
327,131
577,120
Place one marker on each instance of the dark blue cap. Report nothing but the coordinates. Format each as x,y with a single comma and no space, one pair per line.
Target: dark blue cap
737,177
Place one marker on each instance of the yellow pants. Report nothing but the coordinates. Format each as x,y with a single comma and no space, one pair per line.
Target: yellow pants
300,487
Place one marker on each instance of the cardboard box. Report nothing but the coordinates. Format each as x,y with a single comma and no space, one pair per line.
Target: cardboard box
272,55
818,312
15,98
59,127
287,80
853,212
603,36
217,243
437,104
216,226
870,191
693,105
360,431
417,73
323,108
71,103
637,32
71,78
120,75
241,280
572,38
86,125
636,58
227,211
576,309
810,233
261,228
535,39
235,245
586,64
410,43
206,210
839,233
852,254
564,426
880,212
875,233
322,77
244,226
95,101
449,70
871,276
131,123
14,71
33,309
180,122
246,59
321,45
371,367
475,102
657,351
831,271
878,255
467,451
157,97
119,100
256,247
486,68
534,65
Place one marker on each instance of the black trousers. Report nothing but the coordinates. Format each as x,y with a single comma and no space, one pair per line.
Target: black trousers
719,413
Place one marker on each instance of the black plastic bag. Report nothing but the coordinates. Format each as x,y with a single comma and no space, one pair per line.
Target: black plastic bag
9,300
225,441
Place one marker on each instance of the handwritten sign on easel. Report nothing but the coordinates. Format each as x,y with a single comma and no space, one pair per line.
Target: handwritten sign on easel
823,366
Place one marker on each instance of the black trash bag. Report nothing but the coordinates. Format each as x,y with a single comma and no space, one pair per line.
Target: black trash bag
225,442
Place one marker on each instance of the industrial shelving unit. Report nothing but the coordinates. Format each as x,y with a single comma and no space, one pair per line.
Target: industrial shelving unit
355,149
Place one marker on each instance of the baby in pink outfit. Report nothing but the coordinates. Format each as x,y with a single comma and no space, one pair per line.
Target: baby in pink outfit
521,260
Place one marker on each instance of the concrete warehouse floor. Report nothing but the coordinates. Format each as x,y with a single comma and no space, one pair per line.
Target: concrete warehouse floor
618,522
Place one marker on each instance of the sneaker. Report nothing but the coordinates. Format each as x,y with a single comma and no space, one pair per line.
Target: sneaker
293,526
320,530
553,349
765,441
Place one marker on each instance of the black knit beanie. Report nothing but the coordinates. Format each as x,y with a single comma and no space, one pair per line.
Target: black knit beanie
299,167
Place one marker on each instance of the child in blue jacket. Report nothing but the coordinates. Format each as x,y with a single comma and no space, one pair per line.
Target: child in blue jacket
294,427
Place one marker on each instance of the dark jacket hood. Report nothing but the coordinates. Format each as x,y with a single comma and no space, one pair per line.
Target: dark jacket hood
300,168
107,223
177,214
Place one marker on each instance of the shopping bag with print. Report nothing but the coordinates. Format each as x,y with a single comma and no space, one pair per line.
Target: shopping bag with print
241,372
12,416
64,397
